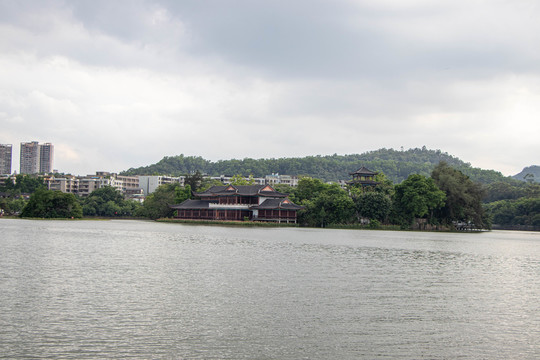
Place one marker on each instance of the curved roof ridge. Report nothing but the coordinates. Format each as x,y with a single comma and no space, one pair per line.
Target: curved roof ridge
364,170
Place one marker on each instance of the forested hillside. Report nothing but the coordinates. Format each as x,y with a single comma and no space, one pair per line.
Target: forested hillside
531,173
396,165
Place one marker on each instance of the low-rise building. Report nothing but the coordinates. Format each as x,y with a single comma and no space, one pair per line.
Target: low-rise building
149,183
227,179
66,184
129,183
276,178
239,203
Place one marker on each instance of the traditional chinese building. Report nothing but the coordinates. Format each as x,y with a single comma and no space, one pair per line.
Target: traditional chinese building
238,203
363,177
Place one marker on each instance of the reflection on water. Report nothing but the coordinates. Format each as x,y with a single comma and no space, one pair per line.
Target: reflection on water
128,289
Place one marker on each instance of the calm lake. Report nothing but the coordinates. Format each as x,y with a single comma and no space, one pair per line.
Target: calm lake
147,290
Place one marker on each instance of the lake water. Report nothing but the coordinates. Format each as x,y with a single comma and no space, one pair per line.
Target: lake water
146,290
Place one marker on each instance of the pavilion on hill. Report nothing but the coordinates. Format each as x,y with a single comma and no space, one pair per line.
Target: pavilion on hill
363,177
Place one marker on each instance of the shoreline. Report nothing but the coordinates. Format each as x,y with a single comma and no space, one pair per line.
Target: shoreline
264,224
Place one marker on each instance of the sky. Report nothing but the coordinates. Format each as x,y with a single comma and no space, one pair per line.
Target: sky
121,84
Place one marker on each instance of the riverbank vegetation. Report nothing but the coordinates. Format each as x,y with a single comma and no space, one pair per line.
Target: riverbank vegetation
52,205
445,197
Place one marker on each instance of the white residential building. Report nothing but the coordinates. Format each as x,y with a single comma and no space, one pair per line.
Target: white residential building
274,179
149,183
84,185
226,179
66,184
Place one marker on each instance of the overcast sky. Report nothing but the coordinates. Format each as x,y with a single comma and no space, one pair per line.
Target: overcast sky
120,84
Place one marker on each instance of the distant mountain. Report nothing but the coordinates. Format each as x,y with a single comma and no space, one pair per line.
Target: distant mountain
396,165
530,173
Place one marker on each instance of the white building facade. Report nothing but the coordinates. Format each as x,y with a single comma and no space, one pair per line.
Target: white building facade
149,183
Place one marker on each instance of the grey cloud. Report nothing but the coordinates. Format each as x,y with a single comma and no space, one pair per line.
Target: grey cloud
347,40
143,79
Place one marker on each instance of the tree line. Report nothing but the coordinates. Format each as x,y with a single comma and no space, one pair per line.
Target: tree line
438,200
445,196
397,165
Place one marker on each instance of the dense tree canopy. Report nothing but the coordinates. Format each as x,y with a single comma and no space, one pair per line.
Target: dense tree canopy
108,202
511,190
194,180
514,203
325,204
417,197
23,184
463,196
307,189
157,204
525,211
12,205
397,165
240,180
52,204
373,205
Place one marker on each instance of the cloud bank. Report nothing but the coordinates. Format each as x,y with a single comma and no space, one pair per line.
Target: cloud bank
121,84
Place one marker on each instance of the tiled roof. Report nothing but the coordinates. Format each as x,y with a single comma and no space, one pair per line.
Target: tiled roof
242,190
363,171
285,204
191,204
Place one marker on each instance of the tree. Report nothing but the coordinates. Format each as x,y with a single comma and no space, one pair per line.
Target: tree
328,204
207,184
240,180
12,205
307,189
283,188
7,185
52,204
110,209
384,185
463,196
194,180
182,194
373,205
157,204
23,184
416,197
524,211
109,202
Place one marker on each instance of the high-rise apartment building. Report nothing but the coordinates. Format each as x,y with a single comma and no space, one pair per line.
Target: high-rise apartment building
46,152
29,158
36,158
5,159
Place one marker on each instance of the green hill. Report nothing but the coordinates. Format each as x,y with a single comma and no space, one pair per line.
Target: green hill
396,165
530,173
